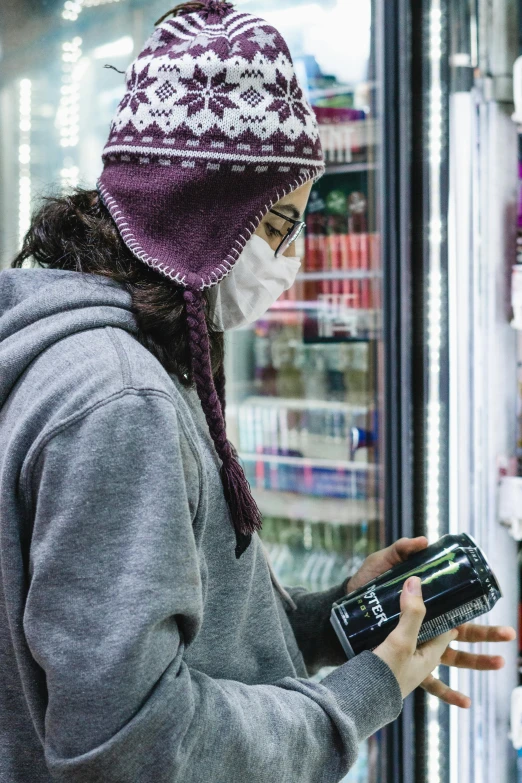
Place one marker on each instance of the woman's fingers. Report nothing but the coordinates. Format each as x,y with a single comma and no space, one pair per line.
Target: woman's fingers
405,547
465,660
445,693
470,632
400,551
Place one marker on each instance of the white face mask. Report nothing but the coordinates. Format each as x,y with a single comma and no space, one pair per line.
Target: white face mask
253,285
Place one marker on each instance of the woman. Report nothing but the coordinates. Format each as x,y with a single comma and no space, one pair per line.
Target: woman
143,635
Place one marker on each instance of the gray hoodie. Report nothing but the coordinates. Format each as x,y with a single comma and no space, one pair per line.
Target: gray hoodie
134,647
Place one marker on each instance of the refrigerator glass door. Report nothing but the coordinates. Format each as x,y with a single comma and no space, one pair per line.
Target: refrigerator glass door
304,383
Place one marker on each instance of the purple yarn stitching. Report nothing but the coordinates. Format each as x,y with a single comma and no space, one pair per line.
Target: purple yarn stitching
246,517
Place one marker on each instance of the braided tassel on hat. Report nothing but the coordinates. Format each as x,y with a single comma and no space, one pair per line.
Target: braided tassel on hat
246,517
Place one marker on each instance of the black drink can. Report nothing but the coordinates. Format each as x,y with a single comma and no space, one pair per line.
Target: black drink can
457,586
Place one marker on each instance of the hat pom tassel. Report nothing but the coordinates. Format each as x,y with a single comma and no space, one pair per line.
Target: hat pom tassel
216,8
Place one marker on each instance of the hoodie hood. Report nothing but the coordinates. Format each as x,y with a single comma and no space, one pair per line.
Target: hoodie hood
40,307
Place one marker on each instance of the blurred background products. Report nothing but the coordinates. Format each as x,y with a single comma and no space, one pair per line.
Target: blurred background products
314,554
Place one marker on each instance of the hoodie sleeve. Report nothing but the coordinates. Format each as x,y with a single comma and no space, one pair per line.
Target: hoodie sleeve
312,628
114,597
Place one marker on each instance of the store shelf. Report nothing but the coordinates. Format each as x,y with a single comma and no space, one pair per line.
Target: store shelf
321,305
349,168
308,462
354,274
274,503
327,323
301,404
329,92
290,304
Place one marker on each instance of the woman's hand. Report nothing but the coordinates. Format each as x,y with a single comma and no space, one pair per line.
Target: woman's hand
410,664
379,562
464,660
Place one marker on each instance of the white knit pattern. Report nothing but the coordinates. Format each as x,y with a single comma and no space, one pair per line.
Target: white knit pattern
179,87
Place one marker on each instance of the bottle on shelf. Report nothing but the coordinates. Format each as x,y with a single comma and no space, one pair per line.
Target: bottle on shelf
357,244
519,619
337,225
346,133
519,410
374,262
265,374
335,375
316,249
314,373
289,381
358,373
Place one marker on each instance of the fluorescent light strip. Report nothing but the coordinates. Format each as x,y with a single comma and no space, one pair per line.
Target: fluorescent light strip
73,8
68,115
24,158
434,334
434,337
67,118
433,736
92,3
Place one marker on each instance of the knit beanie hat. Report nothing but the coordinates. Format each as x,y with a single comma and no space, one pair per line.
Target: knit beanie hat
212,131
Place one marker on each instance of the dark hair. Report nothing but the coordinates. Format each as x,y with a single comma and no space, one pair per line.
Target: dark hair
210,7
77,232
182,8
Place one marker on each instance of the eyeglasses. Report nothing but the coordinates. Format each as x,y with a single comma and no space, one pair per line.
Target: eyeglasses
292,233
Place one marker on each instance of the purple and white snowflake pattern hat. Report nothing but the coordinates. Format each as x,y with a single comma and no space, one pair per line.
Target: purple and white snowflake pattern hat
213,129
